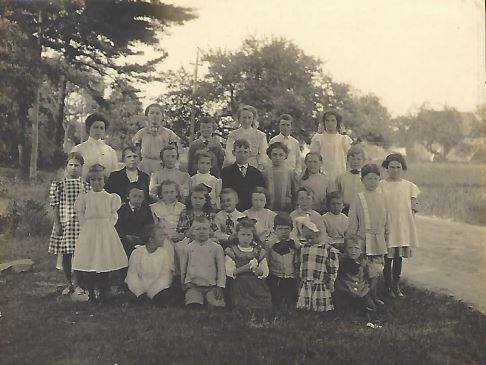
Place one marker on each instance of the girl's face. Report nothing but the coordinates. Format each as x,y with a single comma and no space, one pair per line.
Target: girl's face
245,236
285,127
154,116
309,234
356,161
246,118
304,200
157,240
198,200
131,160
313,163
73,168
204,164
336,206
97,183
168,193
278,157
371,181
394,170
330,124
169,158
97,130
258,201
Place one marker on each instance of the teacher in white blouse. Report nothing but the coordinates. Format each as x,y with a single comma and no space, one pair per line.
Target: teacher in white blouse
95,150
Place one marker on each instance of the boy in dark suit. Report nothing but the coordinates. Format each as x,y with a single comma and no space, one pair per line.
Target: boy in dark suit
119,181
133,216
241,176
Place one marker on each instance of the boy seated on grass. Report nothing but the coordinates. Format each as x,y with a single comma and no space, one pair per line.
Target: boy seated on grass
151,267
203,274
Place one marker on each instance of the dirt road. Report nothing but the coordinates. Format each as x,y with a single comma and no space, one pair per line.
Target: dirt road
451,260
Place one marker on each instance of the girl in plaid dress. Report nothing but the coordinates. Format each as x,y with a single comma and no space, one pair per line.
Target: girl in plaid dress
65,231
318,269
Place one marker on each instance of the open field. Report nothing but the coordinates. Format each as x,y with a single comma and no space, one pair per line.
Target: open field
451,190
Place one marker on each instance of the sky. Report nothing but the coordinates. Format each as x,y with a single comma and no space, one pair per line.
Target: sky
405,52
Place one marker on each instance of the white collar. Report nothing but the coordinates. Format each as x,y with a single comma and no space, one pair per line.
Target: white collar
285,137
203,174
244,165
95,141
245,249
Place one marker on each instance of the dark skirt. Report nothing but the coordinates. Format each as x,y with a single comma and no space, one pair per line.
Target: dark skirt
247,291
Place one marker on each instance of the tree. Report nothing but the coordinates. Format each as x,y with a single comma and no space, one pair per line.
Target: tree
80,33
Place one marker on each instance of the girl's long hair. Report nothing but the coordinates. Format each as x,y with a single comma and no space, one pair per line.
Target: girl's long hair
306,174
207,207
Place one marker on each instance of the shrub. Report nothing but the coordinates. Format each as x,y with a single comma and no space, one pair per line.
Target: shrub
26,218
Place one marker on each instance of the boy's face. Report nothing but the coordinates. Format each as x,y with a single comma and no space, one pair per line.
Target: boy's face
282,232
285,127
204,164
168,193
73,168
136,197
246,118
206,129
258,200
131,160
245,236
241,153
336,205
304,200
201,231
97,182
371,181
313,163
356,161
155,117
169,158
228,202
278,156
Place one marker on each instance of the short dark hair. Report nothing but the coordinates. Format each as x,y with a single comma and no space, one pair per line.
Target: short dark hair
95,117
261,190
167,148
286,117
370,169
395,157
206,120
201,219
96,170
153,105
241,142
334,112
165,183
283,219
135,185
131,149
275,145
75,156
204,153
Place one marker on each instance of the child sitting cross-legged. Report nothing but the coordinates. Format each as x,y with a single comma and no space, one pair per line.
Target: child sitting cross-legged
151,267
283,263
203,274
246,263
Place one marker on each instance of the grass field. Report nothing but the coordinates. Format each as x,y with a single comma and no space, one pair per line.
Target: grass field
450,190
39,327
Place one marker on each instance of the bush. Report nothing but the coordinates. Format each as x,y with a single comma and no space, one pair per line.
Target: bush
26,218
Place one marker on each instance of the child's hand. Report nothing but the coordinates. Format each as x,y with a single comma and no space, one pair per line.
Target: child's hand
218,293
58,229
257,271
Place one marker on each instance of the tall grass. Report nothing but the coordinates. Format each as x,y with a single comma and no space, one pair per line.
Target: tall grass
451,190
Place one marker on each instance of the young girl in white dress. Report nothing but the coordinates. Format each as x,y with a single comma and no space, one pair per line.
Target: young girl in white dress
167,210
331,145
257,139
264,217
99,250
401,201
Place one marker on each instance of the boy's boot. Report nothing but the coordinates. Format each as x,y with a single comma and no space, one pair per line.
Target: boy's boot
387,276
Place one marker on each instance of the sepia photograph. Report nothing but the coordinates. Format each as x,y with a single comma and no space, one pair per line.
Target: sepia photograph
242,182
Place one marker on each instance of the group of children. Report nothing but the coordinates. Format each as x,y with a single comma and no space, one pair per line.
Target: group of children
253,226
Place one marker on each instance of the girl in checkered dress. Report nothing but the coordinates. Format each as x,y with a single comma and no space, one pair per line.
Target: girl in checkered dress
65,231
318,269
